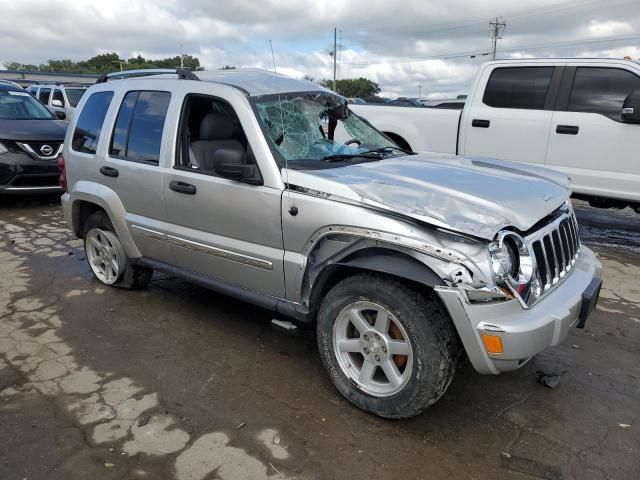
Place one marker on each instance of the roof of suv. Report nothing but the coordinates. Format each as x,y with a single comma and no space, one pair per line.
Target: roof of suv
253,81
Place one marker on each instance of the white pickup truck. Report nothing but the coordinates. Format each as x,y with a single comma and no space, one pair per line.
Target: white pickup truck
579,116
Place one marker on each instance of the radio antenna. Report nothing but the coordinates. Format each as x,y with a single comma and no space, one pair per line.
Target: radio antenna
284,133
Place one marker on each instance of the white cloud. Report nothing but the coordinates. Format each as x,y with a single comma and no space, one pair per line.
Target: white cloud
238,33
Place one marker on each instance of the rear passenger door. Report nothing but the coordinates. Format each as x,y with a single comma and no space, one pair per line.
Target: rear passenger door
510,119
131,166
589,141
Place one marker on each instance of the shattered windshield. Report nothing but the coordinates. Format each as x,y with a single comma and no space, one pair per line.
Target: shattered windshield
313,126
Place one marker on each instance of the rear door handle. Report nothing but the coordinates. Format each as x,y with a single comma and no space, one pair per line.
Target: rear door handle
109,171
567,129
182,187
480,123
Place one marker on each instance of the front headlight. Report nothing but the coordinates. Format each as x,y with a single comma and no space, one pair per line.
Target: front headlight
513,266
3,149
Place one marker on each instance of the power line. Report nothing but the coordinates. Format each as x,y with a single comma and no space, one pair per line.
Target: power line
518,17
477,53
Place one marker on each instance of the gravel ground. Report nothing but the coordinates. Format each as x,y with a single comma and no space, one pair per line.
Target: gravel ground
178,382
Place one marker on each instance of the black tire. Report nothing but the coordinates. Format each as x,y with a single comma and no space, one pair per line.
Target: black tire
431,333
134,276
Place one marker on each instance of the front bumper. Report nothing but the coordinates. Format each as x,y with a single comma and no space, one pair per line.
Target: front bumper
524,333
19,174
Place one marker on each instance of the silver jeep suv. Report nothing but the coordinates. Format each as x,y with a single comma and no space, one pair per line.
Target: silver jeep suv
269,189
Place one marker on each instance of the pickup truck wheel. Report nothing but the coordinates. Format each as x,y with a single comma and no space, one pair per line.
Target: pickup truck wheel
107,258
389,349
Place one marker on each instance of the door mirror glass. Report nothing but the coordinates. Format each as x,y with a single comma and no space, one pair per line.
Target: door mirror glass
233,164
56,103
631,108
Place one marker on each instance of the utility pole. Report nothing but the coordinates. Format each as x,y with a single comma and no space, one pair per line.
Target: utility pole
181,57
496,29
419,91
335,56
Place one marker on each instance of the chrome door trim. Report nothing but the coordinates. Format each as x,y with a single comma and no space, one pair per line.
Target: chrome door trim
203,248
147,232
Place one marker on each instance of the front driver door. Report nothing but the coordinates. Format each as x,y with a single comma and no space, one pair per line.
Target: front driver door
221,228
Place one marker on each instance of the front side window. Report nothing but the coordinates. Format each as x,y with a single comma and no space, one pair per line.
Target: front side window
57,95
602,90
518,87
17,105
87,131
137,134
309,128
44,95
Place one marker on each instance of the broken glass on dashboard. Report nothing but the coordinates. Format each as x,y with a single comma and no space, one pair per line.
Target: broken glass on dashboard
318,126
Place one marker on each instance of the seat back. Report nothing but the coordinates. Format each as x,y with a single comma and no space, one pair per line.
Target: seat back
216,132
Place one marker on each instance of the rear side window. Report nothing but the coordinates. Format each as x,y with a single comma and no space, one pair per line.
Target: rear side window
87,132
57,95
137,134
520,87
44,95
602,90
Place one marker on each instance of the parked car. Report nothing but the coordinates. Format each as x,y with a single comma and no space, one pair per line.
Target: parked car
60,99
232,180
30,143
359,101
405,102
565,114
13,84
450,103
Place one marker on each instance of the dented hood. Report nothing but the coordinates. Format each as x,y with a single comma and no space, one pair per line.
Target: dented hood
472,195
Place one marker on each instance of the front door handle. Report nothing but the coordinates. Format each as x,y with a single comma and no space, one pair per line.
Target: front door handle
182,187
480,123
109,171
567,129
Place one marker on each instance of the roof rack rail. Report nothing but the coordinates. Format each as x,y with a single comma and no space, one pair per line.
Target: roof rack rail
183,74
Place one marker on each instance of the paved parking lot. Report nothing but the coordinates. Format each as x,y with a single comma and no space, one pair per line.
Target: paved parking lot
179,382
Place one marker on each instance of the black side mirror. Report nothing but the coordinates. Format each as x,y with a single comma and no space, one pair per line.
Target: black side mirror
232,164
631,108
60,115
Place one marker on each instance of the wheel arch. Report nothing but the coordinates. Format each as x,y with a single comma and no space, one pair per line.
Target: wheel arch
87,198
398,140
380,260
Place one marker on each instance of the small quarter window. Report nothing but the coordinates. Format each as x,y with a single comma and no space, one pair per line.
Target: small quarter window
87,131
518,87
137,134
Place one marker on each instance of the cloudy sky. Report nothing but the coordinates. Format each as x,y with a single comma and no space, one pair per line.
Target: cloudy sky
398,43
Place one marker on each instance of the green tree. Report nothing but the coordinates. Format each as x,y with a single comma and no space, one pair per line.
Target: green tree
353,87
107,62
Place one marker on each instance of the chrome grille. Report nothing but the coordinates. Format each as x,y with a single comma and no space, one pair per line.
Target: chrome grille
556,249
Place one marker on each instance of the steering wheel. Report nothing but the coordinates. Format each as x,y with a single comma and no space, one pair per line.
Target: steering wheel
353,140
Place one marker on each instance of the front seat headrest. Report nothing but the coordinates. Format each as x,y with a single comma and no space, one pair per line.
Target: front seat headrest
215,126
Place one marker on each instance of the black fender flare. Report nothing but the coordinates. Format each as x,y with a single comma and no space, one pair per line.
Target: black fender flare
396,264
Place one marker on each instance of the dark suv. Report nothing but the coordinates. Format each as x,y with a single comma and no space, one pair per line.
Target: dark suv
30,142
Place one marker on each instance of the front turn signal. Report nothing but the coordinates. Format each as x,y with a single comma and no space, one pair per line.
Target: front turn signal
492,343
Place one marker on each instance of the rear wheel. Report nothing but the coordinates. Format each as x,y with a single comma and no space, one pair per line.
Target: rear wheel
107,257
389,349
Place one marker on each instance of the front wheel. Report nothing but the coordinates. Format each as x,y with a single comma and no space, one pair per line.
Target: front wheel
389,348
